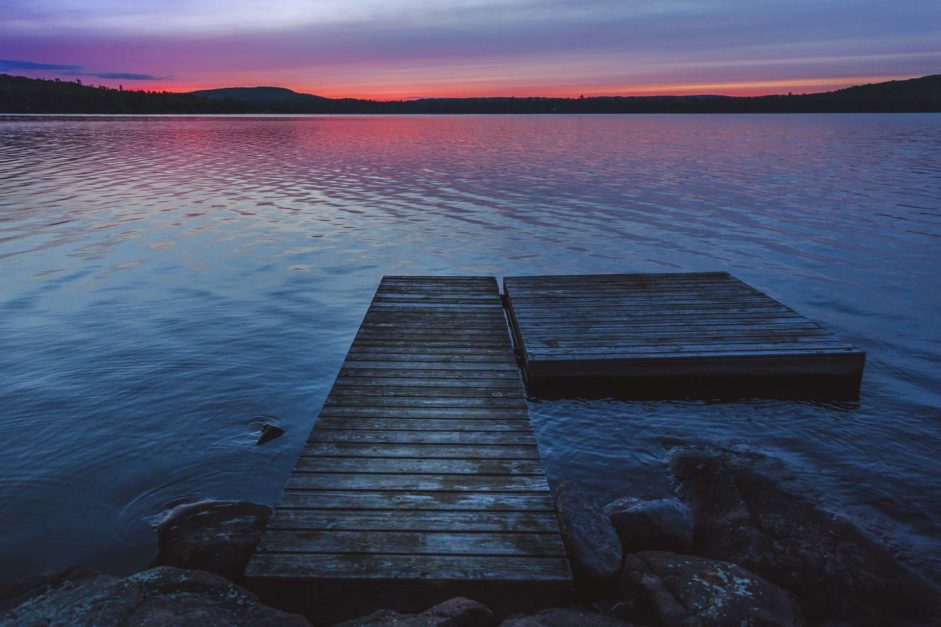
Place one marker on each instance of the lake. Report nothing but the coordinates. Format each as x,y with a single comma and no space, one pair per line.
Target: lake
166,281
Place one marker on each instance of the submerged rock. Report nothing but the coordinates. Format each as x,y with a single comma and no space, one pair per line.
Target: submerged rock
651,524
456,612
215,536
564,617
682,590
745,515
269,432
590,540
160,596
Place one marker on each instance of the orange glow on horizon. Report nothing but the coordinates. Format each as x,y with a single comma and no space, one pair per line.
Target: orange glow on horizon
481,88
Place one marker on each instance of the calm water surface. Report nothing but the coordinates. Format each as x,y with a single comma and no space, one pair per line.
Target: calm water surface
164,281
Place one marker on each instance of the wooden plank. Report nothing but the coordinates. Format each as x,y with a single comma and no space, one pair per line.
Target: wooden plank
430,451
413,500
404,520
321,434
505,365
424,424
691,352
333,541
353,399
451,413
422,465
465,392
478,382
374,482
434,568
430,373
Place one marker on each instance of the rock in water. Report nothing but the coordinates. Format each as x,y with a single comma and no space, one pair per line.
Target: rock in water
215,536
685,590
651,524
152,598
591,542
564,617
456,612
269,432
745,515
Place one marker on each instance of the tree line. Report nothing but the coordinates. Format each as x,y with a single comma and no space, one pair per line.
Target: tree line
26,95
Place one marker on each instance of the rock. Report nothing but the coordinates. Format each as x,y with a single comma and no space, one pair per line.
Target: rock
745,514
564,617
160,596
215,536
269,432
456,612
590,540
685,590
651,524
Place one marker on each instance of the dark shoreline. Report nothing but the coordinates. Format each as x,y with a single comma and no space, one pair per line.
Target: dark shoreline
743,544
26,95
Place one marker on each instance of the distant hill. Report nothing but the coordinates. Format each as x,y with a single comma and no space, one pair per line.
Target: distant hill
26,95
259,95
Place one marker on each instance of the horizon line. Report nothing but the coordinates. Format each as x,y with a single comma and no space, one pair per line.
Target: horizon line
869,80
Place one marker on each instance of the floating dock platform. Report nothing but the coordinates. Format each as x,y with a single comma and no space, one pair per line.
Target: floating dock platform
668,335
421,479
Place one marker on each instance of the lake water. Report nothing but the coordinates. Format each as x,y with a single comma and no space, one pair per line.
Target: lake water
164,281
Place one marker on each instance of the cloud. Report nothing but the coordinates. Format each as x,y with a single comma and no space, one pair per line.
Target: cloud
128,76
11,64
7,65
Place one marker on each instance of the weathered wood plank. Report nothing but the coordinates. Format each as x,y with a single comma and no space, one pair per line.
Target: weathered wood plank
505,365
427,392
480,382
435,568
413,465
353,399
723,352
430,483
321,434
430,451
407,520
419,501
451,413
318,541
424,424
430,373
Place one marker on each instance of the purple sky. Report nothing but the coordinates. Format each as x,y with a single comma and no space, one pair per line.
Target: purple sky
400,49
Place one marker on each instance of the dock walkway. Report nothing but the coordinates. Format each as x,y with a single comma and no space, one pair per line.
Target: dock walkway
422,467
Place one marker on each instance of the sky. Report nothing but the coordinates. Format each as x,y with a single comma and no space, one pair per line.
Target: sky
392,49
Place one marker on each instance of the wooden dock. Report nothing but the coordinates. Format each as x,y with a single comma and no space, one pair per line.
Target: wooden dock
421,478
672,334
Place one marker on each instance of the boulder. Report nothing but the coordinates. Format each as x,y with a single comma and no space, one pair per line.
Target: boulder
215,536
746,514
682,590
159,596
456,612
268,432
590,540
564,617
651,524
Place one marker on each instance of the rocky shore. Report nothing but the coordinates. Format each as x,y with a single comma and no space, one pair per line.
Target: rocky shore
738,547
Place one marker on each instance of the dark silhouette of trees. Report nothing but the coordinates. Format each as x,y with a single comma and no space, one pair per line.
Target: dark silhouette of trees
25,95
